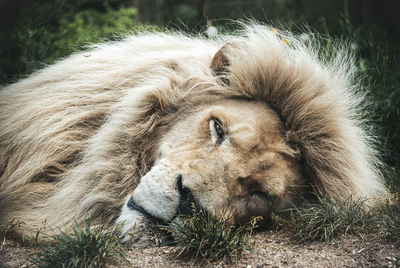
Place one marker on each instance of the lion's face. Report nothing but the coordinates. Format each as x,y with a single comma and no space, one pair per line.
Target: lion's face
230,159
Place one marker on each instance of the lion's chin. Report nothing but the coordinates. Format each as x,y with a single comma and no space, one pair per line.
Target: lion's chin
138,228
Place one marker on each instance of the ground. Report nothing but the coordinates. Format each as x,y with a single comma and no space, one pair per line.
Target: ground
273,249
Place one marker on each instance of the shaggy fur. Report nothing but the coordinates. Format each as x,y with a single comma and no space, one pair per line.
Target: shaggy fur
76,137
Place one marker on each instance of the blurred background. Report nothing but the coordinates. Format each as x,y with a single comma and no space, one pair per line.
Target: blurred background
36,33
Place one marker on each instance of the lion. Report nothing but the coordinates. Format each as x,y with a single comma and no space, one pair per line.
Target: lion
138,130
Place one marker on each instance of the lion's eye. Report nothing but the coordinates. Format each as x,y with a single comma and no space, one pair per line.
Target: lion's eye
219,130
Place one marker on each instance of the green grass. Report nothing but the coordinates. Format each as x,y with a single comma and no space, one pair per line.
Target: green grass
378,67
83,247
327,219
204,239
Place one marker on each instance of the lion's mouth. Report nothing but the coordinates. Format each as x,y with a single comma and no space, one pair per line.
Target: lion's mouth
134,206
186,206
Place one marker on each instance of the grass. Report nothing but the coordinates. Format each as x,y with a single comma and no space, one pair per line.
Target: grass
203,238
83,247
378,67
327,219
388,217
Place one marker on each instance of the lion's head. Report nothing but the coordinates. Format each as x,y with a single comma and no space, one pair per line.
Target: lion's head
229,158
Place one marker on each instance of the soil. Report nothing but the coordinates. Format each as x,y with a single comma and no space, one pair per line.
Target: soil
272,249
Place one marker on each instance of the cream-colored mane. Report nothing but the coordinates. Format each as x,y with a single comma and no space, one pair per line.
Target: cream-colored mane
76,137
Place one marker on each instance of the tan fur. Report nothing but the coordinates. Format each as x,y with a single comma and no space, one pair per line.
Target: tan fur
76,137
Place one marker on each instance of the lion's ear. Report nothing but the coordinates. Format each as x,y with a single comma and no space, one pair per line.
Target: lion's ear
220,64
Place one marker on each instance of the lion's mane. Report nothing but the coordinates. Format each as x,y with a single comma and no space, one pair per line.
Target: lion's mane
76,137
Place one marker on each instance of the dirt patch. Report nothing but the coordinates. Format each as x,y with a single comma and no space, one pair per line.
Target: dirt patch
273,249
12,254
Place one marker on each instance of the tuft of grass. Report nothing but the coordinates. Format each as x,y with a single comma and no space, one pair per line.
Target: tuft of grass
83,247
203,238
326,219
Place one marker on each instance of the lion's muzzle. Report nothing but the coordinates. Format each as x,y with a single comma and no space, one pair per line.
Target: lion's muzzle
186,202
131,204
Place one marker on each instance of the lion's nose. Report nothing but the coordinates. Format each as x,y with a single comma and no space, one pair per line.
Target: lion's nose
186,199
